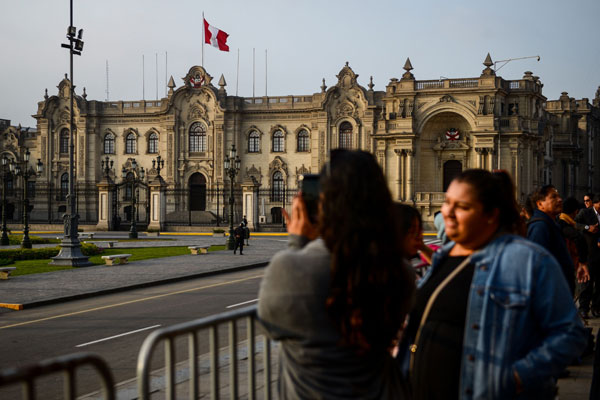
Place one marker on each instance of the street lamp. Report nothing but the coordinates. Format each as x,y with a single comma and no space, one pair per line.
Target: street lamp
159,164
232,167
107,165
4,240
70,252
138,176
25,173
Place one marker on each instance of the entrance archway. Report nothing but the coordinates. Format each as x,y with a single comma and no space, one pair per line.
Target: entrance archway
197,199
452,168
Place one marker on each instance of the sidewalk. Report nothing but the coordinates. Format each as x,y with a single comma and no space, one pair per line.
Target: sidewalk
21,292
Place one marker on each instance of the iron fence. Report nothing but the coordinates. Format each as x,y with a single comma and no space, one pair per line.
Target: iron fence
191,330
68,365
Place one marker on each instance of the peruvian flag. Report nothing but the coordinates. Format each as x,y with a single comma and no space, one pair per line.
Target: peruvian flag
215,37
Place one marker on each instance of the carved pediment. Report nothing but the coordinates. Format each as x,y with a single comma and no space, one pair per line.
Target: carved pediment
197,111
254,174
197,77
346,77
278,165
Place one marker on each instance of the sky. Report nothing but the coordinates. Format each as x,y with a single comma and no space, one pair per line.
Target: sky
305,40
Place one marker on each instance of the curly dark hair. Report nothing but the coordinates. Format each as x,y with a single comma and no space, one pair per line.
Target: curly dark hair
371,288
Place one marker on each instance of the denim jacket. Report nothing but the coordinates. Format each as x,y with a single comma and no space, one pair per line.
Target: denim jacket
521,317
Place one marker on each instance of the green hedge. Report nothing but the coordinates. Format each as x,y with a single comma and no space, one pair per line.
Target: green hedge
87,249
5,261
16,239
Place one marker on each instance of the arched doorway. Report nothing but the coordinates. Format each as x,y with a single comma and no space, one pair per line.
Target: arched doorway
276,215
197,184
452,169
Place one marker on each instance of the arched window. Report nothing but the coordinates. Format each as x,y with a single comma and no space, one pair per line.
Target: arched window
197,138
303,140
278,143
109,144
131,144
64,141
277,188
64,186
253,142
128,186
345,135
153,143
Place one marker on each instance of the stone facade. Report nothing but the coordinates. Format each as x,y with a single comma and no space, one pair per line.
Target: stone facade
422,133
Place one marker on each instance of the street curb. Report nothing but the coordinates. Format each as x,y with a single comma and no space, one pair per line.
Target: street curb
64,299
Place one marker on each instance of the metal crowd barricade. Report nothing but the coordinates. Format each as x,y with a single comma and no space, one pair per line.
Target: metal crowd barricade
191,330
68,365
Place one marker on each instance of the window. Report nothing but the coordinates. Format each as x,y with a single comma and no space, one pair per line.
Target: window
64,141
130,144
278,143
31,189
277,188
345,136
10,187
128,186
109,144
153,143
253,142
64,186
303,140
197,138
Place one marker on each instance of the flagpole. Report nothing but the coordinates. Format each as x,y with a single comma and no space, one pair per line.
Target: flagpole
266,73
237,80
143,79
203,22
253,70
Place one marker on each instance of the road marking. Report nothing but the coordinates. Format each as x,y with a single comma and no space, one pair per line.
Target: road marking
241,304
117,336
129,302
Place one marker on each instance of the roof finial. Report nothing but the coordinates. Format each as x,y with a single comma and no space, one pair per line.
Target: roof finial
371,85
408,67
488,61
323,86
84,93
347,64
46,94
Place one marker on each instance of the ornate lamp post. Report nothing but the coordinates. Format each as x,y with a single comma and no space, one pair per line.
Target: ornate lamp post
232,167
107,165
4,240
159,164
26,173
70,252
138,176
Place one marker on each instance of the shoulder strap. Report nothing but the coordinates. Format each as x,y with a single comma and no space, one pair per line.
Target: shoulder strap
434,295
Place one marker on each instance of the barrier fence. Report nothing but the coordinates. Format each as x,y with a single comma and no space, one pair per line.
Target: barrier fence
231,321
68,365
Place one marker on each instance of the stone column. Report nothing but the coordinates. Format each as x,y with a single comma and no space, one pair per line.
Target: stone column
490,153
250,203
105,204
409,175
158,204
400,171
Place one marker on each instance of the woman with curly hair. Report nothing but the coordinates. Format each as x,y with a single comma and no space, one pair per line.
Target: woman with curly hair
338,297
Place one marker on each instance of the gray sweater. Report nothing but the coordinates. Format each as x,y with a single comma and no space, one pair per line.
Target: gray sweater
291,307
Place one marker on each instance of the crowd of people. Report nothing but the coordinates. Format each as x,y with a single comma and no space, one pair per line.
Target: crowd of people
493,317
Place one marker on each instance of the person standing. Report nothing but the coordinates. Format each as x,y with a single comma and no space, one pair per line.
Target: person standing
493,318
337,298
587,200
238,234
543,230
589,219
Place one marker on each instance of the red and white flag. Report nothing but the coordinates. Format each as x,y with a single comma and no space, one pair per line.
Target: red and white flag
215,37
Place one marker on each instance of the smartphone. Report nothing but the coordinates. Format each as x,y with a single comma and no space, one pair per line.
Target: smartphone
310,189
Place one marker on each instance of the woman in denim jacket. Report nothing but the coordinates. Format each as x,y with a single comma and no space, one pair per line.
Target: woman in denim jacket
494,318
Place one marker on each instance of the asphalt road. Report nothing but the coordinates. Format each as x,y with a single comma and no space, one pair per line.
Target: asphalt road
114,326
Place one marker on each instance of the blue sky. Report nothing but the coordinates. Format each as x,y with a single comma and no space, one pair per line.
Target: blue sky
306,40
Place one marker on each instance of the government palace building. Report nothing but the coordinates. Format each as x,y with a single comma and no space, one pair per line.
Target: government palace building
422,132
